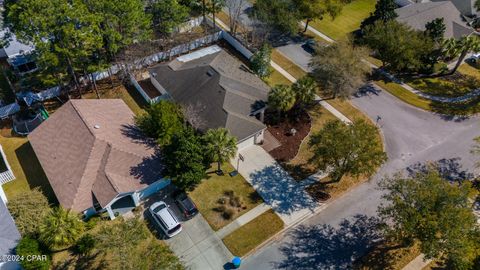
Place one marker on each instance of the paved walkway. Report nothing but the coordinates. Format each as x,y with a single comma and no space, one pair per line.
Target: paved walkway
277,188
243,219
417,264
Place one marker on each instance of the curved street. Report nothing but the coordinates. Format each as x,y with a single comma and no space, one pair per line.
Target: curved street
342,232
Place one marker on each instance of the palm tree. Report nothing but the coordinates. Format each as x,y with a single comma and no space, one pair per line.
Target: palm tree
61,228
220,145
304,90
281,98
464,46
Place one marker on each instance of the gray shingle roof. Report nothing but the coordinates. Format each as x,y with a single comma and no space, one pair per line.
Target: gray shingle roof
227,90
9,235
418,14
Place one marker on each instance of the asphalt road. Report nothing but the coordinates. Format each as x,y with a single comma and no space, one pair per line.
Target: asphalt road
342,232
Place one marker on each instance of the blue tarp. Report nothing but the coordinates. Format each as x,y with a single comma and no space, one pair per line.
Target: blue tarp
8,110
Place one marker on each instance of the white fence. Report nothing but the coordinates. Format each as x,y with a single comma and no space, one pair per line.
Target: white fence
142,92
6,176
237,45
158,57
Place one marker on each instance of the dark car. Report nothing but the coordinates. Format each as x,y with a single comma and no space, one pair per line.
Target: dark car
310,46
186,205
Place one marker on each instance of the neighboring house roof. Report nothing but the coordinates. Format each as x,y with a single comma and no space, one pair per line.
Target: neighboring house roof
223,89
14,47
9,235
92,148
418,14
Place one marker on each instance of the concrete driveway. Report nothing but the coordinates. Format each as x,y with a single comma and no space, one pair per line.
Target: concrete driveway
197,246
296,54
277,188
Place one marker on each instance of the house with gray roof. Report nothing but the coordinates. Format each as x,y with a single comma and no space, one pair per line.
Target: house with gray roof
417,15
223,89
95,159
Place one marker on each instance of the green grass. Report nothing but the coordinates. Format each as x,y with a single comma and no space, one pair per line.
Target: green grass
387,256
449,86
207,194
25,166
467,69
254,233
276,78
403,94
348,21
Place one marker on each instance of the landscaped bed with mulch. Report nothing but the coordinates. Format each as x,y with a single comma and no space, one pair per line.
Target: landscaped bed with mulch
289,131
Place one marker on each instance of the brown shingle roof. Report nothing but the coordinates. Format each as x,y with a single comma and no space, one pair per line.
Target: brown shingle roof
91,147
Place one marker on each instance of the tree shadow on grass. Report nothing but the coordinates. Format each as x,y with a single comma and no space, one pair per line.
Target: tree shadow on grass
326,247
34,172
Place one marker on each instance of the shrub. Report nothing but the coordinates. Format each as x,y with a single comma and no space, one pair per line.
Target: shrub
28,247
228,213
85,244
29,209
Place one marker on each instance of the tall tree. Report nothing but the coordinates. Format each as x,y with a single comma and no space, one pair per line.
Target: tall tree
347,149
260,61
214,7
339,69
398,46
61,228
161,121
186,160
434,212
64,32
168,14
221,146
463,46
281,98
304,89
29,209
122,23
435,29
235,8
384,11
310,10
278,14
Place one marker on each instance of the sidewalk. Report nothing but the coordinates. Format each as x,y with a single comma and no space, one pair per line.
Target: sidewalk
242,220
417,264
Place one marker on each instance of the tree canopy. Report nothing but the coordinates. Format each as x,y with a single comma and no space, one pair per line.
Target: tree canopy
161,121
221,146
434,212
61,228
398,46
305,89
384,11
167,14
435,29
339,69
281,98
186,159
260,61
347,149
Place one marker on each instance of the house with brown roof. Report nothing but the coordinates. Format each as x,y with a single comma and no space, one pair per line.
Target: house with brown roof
224,91
95,159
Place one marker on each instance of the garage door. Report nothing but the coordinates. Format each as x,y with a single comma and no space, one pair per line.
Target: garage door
246,143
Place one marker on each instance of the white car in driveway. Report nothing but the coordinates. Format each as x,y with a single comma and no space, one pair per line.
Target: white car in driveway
165,218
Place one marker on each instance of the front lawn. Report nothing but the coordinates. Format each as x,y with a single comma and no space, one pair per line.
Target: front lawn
254,233
281,60
454,85
403,94
387,256
348,21
209,194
